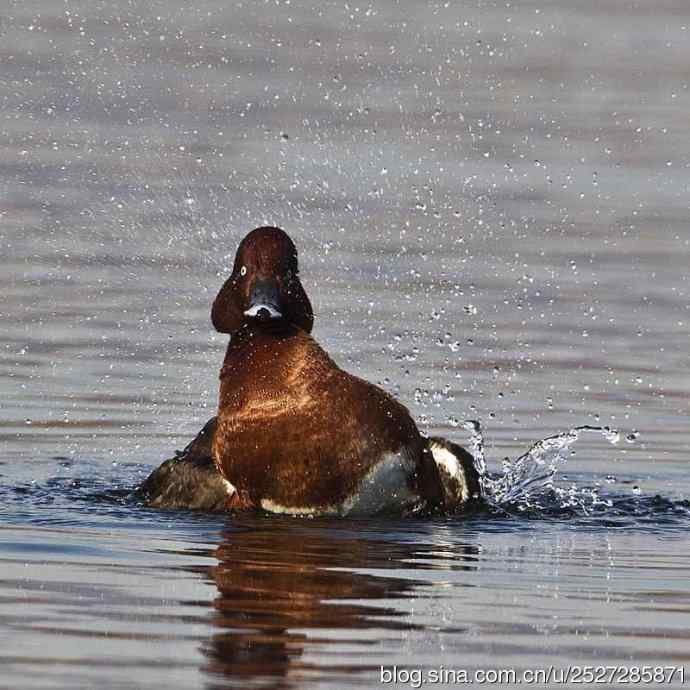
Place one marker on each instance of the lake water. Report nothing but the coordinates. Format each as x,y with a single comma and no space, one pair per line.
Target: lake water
491,203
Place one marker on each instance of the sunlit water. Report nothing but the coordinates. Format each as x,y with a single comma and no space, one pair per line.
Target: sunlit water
491,207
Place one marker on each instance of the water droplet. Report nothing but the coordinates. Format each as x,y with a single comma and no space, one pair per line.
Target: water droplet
611,435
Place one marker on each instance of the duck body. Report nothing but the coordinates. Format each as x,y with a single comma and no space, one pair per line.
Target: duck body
190,479
295,433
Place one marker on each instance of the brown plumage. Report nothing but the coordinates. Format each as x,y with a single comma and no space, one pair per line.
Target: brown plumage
294,432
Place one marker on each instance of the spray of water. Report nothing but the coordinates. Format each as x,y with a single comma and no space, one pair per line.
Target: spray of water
525,481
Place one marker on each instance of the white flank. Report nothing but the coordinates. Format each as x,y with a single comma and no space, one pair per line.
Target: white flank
229,487
383,490
447,460
272,507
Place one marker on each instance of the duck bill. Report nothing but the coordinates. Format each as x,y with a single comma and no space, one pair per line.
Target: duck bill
264,301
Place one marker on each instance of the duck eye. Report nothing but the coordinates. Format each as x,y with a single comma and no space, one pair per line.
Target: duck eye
243,271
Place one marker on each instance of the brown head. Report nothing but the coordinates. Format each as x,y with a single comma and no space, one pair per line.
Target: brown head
264,288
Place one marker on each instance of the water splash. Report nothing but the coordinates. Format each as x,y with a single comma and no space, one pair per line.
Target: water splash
527,480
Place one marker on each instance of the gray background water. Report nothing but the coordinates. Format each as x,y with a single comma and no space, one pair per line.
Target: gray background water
491,206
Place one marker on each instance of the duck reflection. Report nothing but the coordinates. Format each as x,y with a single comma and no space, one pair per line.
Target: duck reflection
287,588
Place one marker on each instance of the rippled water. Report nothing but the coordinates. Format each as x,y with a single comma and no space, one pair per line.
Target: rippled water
491,206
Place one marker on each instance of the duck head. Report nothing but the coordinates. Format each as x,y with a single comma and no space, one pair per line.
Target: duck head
264,289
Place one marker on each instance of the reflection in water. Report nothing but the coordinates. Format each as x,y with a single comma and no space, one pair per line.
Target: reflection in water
283,590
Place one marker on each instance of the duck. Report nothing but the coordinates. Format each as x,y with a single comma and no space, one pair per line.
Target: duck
295,433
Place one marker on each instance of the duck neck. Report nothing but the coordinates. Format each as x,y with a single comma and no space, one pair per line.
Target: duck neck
254,346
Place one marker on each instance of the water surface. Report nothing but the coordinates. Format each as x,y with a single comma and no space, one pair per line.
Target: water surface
491,207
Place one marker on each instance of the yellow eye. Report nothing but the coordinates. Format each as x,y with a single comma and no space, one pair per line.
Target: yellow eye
243,271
